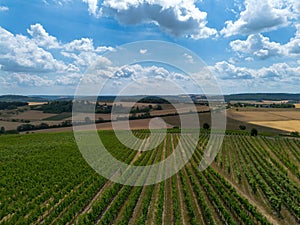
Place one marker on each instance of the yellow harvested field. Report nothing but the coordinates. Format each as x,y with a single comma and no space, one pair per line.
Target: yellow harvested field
293,114
36,103
297,106
266,115
286,125
282,119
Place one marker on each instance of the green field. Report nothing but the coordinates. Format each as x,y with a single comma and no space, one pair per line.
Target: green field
253,180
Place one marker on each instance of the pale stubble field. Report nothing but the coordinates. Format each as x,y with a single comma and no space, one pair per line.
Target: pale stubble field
282,119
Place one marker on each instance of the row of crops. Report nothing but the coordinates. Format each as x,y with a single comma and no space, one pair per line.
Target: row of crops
253,180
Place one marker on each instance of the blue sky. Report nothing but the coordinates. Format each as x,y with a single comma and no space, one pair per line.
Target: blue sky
46,46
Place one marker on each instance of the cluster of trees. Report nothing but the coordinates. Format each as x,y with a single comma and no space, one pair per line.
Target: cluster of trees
141,109
283,105
121,109
272,105
295,134
11,105
30,127
141,116
56,107
103,108
154,99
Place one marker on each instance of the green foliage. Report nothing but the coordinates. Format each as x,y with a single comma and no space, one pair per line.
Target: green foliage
254,132
30,127
158,107
11,132
141,116
242,127
11,105
295,134
140,109
206,126
2,130
272,105
56,107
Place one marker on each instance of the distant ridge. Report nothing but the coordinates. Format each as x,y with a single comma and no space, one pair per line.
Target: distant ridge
111,98
262,96
20,98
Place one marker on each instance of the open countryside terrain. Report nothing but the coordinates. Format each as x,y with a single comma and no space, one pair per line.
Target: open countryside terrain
53,114
281,119
12,118
171,121
122,125
253,180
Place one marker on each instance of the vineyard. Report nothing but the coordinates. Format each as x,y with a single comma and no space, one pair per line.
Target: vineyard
253,180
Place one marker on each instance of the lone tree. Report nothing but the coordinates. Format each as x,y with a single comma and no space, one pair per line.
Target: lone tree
254,132
206,126
242,127
2,130
295,134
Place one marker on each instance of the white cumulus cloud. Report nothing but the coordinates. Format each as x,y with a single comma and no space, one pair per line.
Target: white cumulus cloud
293,47
30,80
143,51
19,53
40,59
278,72
4,8
178,17
257,45
41,37
93,6
261,16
